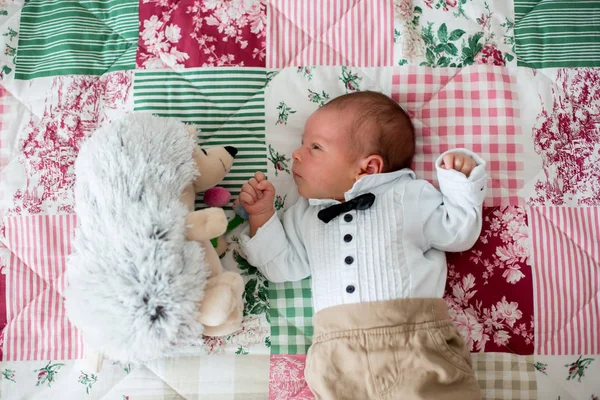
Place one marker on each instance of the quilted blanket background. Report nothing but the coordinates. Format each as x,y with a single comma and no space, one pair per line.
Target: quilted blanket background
516,81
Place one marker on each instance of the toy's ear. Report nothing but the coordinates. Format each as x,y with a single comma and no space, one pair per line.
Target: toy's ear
213,164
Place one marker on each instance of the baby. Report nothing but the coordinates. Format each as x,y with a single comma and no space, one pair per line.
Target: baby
373,238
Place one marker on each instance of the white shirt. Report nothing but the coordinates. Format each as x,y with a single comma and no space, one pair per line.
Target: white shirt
394,249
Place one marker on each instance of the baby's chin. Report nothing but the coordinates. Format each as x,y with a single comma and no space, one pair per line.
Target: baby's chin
307,193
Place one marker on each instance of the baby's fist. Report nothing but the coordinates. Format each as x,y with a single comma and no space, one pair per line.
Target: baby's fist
257,195
459,162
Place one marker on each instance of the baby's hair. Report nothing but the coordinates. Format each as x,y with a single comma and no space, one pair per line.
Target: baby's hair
380,127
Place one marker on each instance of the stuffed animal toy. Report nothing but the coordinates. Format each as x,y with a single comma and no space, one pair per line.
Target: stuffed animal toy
143,276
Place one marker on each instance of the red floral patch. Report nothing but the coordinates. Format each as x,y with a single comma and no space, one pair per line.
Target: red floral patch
186,33
489,289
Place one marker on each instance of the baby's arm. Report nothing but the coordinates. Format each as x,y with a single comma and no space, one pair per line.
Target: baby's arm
451,219
275,247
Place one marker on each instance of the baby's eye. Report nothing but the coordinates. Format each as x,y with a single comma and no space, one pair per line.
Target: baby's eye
316,147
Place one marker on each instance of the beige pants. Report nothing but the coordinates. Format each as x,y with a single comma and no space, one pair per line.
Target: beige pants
398,349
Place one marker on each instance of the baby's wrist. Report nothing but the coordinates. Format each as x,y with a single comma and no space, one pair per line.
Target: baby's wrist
257,220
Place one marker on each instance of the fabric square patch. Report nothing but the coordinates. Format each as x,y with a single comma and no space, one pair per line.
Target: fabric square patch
291,317
226,105
566,261
566,134
37,327
49,140
287,378
453,33
504,376
489,290
475,107
188,33
67,37
557,33
335,32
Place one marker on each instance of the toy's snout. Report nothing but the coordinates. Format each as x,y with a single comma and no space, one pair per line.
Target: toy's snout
231,150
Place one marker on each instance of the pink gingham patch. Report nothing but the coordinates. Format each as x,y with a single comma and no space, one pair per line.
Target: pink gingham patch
475,107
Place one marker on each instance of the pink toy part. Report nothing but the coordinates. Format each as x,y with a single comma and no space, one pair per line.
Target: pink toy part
217,197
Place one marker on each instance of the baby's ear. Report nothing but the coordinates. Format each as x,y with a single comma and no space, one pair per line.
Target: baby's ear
372,164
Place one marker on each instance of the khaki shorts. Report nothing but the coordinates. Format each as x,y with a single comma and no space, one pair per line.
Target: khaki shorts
397,349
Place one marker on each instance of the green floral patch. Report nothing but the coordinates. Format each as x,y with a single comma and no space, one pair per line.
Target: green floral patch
540,366
350,79
284,113
576,370
9,374
442,49
256,298
279,161
279,202
87,380
306,71
47,374
446,47
318,98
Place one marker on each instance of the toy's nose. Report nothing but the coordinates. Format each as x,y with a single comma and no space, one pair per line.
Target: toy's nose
231,150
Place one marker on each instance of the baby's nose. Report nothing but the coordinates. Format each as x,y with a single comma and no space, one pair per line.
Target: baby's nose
296,155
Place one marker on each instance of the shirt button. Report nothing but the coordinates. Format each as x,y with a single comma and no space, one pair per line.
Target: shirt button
350,289
347,238
349,260
348,217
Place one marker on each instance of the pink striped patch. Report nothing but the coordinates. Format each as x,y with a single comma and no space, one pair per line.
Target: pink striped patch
333,32
37,327
566,261
3,304
474,107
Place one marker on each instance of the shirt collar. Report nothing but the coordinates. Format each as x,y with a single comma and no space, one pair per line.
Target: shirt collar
375,183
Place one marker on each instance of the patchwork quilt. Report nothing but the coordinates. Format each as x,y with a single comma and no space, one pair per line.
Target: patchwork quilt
517,81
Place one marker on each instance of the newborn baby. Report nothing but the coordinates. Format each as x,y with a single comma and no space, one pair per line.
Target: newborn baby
372,237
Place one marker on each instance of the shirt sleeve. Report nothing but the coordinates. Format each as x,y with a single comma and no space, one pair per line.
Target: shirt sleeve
452,219
277,248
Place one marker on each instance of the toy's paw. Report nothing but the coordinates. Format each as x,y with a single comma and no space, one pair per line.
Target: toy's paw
206,224
234,324
217,220
222,303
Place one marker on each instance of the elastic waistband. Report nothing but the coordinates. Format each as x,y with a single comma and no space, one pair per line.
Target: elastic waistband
397,313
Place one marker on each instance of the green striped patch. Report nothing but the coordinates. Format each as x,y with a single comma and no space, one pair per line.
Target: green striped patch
76,37
228,105
558,33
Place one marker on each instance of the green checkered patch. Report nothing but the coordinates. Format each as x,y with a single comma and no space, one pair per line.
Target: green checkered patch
291,315
226,104
66,37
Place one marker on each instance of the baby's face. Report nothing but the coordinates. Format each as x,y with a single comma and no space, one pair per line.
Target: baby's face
324,166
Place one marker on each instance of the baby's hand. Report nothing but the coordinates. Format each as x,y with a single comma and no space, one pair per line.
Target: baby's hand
258,195
459,162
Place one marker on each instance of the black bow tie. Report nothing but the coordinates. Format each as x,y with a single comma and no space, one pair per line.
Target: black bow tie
362,202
